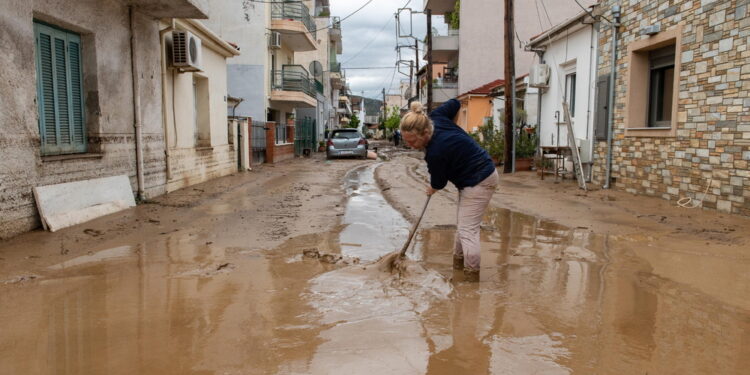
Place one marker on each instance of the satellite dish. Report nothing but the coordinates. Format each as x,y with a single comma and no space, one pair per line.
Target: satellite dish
316,69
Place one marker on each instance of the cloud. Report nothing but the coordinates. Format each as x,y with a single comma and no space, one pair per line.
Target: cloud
370,40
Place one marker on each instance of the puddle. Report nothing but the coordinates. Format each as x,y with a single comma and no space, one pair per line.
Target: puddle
373,227
551,300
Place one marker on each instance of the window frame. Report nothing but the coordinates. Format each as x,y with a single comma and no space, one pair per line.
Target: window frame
570,92
637,113
68,37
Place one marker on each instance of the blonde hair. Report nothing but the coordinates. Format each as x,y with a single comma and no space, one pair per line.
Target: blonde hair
416,121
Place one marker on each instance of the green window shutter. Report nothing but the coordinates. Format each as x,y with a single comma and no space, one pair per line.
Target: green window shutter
59,91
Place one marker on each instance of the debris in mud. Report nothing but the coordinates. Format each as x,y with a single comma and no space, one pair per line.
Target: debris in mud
330,258
20,279
208,271
33,257
311,253
154,221
93,232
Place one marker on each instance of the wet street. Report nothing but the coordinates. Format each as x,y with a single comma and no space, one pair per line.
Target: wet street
213,289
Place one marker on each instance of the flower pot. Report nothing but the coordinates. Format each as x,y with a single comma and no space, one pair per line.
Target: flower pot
524,164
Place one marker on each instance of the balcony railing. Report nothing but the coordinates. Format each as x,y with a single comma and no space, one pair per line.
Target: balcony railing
293,78
336,24
318,86
335,67
293,11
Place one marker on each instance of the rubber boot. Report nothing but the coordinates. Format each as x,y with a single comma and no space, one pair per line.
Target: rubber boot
458,262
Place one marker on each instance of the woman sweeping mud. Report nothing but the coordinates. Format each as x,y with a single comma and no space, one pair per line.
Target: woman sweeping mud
452,155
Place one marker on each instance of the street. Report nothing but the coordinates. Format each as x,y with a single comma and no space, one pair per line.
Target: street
266,272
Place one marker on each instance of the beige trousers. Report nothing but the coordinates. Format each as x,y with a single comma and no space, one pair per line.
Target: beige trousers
472,201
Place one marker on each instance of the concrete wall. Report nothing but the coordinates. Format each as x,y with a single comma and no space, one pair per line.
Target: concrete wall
709,149
244,24
473,111
570,53
108,96
196,158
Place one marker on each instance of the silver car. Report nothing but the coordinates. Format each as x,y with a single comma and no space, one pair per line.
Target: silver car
346,142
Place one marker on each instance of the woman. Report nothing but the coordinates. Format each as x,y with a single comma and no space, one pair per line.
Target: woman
452,155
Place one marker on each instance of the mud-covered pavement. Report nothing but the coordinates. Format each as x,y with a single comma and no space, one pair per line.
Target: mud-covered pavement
214,280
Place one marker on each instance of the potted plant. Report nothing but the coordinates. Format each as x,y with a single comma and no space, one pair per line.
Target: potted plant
491,139
321,146
525,150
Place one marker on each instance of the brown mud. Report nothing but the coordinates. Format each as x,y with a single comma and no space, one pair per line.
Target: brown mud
222,279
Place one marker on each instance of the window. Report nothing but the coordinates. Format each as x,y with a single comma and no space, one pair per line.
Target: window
570,93
660,87
201,112
59,90
652,67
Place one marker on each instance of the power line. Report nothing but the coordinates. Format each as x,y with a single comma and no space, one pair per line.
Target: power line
372,67
370,42
321,28
591,14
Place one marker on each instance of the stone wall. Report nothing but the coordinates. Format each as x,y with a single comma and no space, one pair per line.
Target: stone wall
710,149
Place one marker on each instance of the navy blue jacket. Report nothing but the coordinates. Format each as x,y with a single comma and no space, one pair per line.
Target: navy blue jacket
452,155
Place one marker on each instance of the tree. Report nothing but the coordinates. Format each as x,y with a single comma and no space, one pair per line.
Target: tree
354,123
394,119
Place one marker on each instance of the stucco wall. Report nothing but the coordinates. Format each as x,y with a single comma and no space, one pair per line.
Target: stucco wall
569,53
710,148
192,161
105,32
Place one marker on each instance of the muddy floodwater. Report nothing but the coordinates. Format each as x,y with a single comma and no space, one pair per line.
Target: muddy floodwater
551,300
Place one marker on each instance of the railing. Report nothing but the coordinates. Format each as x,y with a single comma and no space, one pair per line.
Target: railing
336,24
281,133
318,86
293,78
304,136
258,139
293,11
335,67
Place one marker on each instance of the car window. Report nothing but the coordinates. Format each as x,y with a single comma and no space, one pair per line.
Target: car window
346,135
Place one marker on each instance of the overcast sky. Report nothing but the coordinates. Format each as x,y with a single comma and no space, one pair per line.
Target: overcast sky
370,41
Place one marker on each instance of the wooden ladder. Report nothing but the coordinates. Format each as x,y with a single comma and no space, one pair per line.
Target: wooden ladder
577,166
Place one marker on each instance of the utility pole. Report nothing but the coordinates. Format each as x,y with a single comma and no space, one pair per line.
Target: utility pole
416,61
385,107
428,12
510,73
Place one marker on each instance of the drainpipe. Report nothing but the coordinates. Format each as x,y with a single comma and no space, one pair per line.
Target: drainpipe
589,119
136,105
539,111
612,77
164,119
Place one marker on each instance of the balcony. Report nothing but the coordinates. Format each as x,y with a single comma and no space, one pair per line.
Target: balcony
296,26
439,7
443,89
335,31
293,85
444,47
337,82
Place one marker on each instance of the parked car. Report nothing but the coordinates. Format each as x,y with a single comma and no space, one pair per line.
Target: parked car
346,142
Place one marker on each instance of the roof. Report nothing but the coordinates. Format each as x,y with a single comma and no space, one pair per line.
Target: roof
566,24
485,89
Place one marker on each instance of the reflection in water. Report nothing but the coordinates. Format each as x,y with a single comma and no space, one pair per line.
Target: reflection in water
374,228
552,300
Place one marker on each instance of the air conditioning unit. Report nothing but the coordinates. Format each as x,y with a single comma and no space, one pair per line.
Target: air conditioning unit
539,75
186,51
275,42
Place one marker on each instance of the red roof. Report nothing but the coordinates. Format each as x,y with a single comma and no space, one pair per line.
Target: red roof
485,89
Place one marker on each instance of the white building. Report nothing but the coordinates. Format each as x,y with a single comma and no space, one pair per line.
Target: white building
570,51
272,76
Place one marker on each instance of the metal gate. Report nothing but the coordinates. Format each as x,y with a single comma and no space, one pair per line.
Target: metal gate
304,136
259,142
